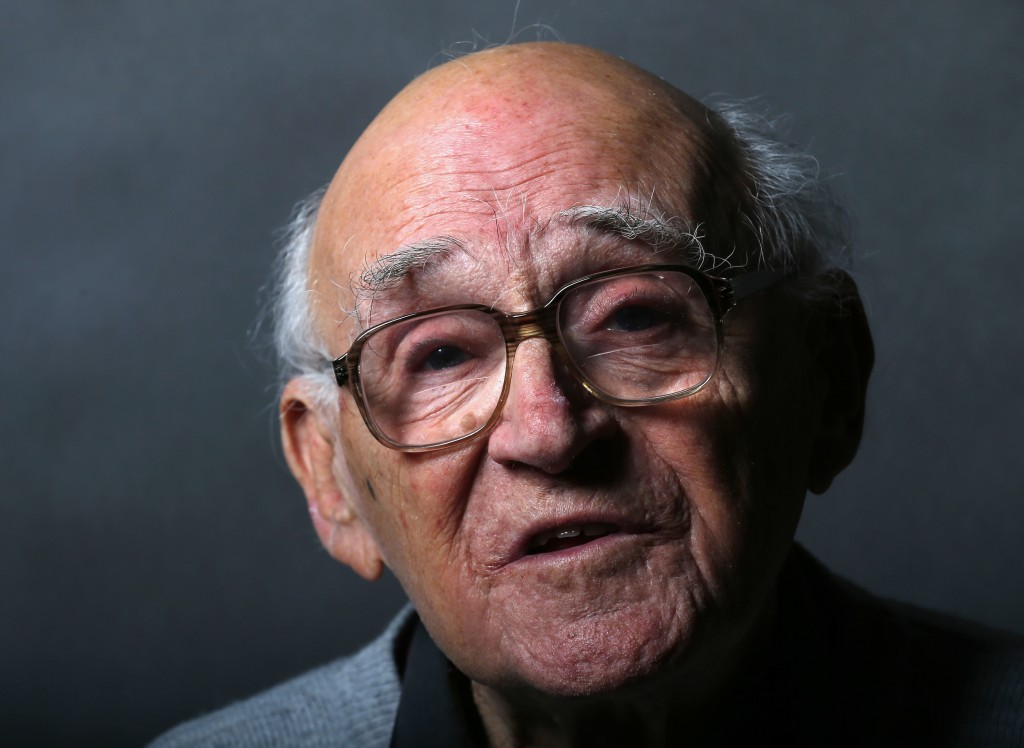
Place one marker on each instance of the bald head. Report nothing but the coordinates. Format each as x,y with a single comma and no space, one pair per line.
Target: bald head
506,93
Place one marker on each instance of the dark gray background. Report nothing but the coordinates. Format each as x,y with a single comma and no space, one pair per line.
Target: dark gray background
156,559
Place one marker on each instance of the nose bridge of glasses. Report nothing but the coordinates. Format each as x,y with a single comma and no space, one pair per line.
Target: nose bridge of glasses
537,323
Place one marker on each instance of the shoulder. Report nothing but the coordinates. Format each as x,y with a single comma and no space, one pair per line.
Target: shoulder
351,701
916,671
961,678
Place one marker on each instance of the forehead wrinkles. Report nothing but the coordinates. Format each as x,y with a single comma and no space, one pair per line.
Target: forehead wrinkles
512,175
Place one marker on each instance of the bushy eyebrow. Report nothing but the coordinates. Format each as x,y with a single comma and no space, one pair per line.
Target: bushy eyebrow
391,269
388,271
659,234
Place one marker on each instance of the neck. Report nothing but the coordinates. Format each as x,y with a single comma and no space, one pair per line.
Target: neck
596,723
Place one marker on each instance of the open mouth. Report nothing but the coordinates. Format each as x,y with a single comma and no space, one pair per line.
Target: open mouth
569,536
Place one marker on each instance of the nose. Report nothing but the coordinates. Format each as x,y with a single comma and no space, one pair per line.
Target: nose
548,418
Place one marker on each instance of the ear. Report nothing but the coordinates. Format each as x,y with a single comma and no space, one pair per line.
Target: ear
309,447
841,343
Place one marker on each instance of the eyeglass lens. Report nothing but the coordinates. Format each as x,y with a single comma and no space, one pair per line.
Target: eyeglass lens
634,337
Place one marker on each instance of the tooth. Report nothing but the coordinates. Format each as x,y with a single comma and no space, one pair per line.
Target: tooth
572,532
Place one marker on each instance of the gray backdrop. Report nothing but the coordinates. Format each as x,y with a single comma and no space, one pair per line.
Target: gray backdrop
156,558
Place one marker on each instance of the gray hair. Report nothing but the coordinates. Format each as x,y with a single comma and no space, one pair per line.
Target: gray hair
788,218
792,218
297,342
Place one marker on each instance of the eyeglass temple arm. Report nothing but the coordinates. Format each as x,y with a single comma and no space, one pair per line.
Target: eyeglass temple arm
340,369
741,286
750,283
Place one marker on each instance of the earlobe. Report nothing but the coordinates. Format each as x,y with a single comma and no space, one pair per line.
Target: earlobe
845,355
347,540
310,450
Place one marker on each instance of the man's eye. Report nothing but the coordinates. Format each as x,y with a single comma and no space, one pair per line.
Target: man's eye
635,319
445,357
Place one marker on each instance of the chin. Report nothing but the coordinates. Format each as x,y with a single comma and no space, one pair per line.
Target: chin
593,657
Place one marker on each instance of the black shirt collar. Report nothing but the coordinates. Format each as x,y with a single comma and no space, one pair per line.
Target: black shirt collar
436,708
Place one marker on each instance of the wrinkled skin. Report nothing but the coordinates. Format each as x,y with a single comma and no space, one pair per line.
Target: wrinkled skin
705,493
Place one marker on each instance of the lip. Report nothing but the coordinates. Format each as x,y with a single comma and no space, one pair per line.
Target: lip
623,528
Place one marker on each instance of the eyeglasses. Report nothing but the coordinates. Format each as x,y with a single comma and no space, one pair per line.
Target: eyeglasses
632,336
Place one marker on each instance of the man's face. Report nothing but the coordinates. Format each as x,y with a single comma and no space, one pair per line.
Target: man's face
685,509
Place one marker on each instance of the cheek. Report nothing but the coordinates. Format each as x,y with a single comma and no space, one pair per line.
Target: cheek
704,440
742,460
375,476
426,544
412,504
434,489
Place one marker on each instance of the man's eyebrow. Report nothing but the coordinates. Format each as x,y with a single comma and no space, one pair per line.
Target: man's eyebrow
391,269
658,233
388,271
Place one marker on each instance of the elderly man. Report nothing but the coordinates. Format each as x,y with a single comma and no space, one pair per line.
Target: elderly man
567,350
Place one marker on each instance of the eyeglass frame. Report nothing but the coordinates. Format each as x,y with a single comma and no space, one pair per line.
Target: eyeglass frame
721,293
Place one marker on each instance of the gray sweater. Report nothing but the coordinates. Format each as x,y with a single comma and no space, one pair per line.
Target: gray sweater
350,702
